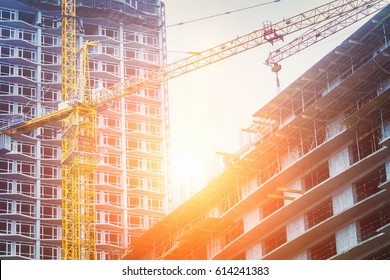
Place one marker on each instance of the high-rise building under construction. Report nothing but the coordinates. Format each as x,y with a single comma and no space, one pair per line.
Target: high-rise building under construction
314,182
132,178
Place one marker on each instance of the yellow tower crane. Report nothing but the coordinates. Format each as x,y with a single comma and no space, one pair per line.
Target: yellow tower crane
78,112
78,161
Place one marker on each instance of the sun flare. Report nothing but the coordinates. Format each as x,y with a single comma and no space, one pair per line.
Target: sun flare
188,167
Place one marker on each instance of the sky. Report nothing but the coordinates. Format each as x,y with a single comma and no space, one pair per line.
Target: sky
210,106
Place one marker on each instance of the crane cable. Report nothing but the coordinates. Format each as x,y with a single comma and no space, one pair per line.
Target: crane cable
222,14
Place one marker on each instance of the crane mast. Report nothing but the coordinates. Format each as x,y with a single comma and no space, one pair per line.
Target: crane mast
79,136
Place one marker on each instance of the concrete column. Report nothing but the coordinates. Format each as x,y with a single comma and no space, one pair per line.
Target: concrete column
214,247
386,134
386,130
339,162
248,187
254,252
343,199
334,128
346,238
251,219
295,228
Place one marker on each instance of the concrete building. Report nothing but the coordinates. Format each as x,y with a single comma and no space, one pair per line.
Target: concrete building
315,183
131,181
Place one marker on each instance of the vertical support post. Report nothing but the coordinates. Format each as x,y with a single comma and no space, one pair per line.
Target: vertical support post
352,67
315,132
382,124
301,139
373,145
384,33
278,159
357,144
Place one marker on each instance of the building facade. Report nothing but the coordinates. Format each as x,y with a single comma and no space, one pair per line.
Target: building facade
132,177
315,183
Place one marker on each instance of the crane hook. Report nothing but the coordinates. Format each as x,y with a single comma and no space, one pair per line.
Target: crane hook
276,68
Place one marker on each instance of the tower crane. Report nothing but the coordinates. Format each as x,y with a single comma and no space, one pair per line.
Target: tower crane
79,137
78,111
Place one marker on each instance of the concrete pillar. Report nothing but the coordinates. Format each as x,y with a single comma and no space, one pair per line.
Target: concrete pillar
339,162
214,247
346,238
343,199
251,219
295,228
284,160
248,187
386,130
254,252
334,128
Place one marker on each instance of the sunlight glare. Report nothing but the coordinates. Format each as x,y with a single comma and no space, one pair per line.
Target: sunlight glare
189,167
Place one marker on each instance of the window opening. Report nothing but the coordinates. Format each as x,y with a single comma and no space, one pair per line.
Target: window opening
319,213
275,240
324,250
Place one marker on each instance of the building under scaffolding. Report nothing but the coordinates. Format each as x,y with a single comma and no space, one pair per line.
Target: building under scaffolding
315,183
